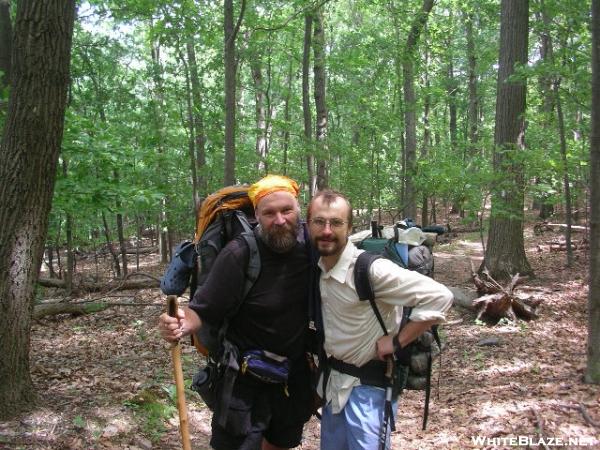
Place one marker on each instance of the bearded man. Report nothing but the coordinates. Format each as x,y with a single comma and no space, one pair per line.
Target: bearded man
271,318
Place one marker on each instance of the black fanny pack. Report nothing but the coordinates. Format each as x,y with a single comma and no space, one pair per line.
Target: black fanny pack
266,366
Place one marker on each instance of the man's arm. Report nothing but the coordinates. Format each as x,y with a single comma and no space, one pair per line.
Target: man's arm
174,328
410,332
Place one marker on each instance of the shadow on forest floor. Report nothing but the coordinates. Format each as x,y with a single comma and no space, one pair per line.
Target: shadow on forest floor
104,380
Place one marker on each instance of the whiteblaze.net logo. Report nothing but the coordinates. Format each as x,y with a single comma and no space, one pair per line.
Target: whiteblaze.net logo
530,441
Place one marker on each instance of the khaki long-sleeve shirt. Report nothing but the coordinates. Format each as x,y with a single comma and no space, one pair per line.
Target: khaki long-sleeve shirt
351,327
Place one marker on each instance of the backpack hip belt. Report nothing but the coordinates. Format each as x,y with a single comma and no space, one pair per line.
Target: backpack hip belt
372,373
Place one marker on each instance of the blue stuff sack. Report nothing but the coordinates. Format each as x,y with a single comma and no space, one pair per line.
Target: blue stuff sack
177,276
266,366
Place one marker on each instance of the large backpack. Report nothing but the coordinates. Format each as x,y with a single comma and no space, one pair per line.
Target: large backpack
409,248
418,258
223,216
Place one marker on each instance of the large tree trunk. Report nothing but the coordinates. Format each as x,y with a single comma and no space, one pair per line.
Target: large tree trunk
410,113
320,103
310,159
28,162
593,349
505,252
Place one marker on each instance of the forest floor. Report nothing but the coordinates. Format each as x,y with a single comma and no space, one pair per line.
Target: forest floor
104,380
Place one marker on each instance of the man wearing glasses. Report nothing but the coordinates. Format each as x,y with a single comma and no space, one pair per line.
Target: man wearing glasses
354,410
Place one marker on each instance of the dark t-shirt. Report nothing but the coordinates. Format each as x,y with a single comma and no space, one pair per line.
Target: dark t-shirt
274,314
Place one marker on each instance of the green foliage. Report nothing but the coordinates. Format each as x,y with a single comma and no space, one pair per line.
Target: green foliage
79,422
152,412
127,132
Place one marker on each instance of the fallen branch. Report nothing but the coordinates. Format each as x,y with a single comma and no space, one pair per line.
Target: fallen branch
561,246
111,286
541,227
75,309
80,309
563,227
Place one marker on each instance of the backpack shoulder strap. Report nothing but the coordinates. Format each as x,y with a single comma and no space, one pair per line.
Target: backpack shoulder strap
253,268
361,275
252,273
364,289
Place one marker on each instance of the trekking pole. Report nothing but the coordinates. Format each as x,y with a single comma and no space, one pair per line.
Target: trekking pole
178,374
388,412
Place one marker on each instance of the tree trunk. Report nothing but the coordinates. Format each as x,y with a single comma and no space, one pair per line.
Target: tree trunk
547,106
310,160
69,233
163,242
229,35
120,232
198,115
28,162
122,244
320,104
286,115
260,117
426,145
593,350
505,252
110,247
5,43
50,252
70,258
473,111
410,104
158,95
565,169
192,138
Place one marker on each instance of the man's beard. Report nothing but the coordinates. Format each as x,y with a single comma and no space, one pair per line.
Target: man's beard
280,238
336,246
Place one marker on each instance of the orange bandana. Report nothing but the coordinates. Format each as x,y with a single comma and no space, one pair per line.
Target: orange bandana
270,184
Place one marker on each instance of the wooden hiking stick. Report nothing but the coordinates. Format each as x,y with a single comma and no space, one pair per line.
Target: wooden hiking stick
178,374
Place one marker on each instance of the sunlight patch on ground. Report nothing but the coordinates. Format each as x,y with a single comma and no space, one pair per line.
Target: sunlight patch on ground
515,367
41,426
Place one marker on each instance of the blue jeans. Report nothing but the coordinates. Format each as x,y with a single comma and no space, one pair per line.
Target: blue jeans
357,426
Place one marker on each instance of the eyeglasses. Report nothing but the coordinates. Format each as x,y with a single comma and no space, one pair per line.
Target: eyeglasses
319,222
